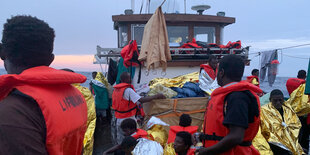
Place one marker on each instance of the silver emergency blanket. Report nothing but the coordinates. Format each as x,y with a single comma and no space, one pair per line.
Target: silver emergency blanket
147,147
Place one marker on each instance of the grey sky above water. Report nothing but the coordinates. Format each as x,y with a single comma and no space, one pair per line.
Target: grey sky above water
261,24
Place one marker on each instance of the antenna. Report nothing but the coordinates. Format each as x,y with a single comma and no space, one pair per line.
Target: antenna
133,5
201,8
185,6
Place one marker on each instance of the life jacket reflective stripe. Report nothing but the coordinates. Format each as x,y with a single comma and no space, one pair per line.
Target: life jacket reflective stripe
140,134
251,78
123,108
175,129
214,117
293,83
63,106
209,70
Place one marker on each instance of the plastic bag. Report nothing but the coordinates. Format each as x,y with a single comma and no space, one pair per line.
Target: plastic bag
147,147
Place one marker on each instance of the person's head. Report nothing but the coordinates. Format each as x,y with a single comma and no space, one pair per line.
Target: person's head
68,70
185,120
212,61
26,42
125,78
94,74
128,144
230,69
276,98
255,72
129,126
182,142
302,74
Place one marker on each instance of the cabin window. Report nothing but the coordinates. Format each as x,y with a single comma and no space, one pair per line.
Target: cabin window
204,34
137,31
123,35
177,35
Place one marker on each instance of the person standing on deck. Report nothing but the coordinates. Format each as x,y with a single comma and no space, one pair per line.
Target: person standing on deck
40,111
232,115
125,102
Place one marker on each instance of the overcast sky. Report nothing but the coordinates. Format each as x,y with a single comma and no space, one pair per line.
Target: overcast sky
82,25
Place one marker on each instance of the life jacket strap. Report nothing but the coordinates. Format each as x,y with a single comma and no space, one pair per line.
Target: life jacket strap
127,110
218,138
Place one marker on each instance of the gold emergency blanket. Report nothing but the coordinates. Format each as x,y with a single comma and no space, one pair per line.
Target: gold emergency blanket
155,49
169,149
299,102
170,110
91,119
158,88
159,134
260,143
178,81
274,129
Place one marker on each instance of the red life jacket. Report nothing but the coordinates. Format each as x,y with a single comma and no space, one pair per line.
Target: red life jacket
208,69
213,122
251,78
293,83
191,151
63,106
140,134
175,129
192,44
130,54
123,108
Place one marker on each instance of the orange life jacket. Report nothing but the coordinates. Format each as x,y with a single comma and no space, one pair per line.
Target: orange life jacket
251,78
63,106
214,129
293,83
175,129
208,69
123,108
140,134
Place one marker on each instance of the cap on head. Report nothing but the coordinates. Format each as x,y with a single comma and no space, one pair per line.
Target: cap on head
27,42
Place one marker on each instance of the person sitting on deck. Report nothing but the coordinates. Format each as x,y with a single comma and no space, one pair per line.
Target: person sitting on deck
129,127
280,125
183,144
184,125
207,75
254,77
294,83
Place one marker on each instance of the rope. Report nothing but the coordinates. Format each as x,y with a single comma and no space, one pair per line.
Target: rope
295,57
308,44
162,3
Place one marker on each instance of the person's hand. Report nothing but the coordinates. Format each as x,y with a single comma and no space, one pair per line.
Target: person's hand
202,151
160,96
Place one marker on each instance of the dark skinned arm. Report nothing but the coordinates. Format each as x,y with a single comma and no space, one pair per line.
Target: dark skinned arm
112,149
234,138
150,98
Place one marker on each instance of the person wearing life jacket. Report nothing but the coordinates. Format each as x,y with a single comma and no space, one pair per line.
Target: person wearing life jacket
207,75
254,77
232,115
184,125
294,83
88,142
183,144
125,102
280,125
40,111
129,127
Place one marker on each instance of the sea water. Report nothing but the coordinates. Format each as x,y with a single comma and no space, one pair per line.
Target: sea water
278,84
